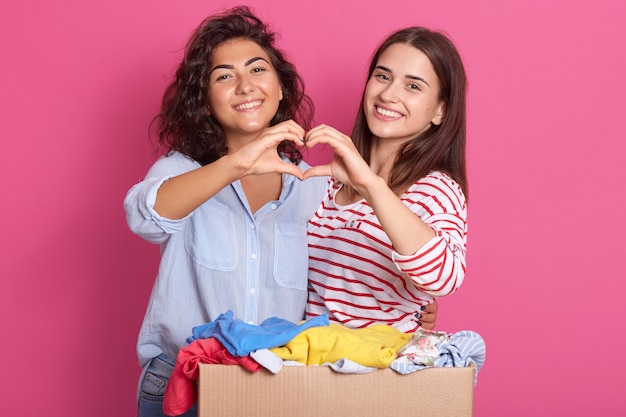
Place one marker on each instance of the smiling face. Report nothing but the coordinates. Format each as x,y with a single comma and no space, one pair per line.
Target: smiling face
401,97
244,89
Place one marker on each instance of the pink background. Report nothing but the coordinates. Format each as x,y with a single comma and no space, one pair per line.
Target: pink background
80,81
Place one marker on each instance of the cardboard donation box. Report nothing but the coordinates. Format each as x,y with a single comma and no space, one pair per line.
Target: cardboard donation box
307,391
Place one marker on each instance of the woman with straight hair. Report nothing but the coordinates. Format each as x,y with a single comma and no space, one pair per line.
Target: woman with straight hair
391,233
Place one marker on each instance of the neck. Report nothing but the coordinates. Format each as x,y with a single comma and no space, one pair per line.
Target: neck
238,140
382,157
260,189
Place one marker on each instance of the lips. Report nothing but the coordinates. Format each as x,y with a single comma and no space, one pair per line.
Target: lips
250,105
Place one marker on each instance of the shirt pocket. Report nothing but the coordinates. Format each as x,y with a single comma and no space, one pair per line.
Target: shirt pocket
211,237
291,257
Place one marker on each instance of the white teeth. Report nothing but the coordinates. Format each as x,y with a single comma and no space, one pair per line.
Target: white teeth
388,113
250,105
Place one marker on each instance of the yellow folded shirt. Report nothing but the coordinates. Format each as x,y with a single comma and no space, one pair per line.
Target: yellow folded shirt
375,346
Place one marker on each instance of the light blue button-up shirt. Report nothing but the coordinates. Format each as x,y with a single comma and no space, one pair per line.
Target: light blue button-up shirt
222,257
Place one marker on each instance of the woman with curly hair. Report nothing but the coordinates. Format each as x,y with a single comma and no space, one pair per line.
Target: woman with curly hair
225,201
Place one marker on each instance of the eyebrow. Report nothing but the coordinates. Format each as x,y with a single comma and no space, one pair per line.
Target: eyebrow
248,62
409,76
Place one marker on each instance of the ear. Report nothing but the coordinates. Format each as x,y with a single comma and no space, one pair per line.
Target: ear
207,110
439,114
280,94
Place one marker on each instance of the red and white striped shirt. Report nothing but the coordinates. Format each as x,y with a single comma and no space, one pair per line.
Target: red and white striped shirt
357,278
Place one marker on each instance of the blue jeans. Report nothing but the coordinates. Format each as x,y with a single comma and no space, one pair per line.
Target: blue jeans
152,388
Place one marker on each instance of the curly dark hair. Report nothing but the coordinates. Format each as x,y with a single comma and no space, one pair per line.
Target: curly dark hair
441,147
183,124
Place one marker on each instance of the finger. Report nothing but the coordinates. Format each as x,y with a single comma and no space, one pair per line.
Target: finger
272,139
288,126
339,142
323,130
287,168
312,141
428,318
317,171
427,326
431,308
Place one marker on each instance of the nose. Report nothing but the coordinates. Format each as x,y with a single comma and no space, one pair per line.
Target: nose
390,93
245,85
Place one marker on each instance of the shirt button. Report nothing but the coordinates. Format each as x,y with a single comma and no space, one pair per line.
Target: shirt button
273,206
253,256
252,291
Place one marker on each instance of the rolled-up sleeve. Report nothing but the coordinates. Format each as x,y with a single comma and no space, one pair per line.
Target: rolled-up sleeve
139,202
438,267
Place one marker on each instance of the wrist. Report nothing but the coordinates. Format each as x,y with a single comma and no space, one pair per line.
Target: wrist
372,187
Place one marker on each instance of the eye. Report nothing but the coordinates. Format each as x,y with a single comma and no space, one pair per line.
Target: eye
258,69
382,76
413,86
222,77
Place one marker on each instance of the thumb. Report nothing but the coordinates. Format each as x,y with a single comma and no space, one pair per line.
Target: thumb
318,171
291,169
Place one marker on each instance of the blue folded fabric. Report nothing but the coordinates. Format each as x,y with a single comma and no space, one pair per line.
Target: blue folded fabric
240,338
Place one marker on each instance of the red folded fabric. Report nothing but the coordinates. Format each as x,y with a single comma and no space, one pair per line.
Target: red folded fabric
181,392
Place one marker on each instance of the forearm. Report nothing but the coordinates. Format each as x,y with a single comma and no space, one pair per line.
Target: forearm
406,231
180,195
